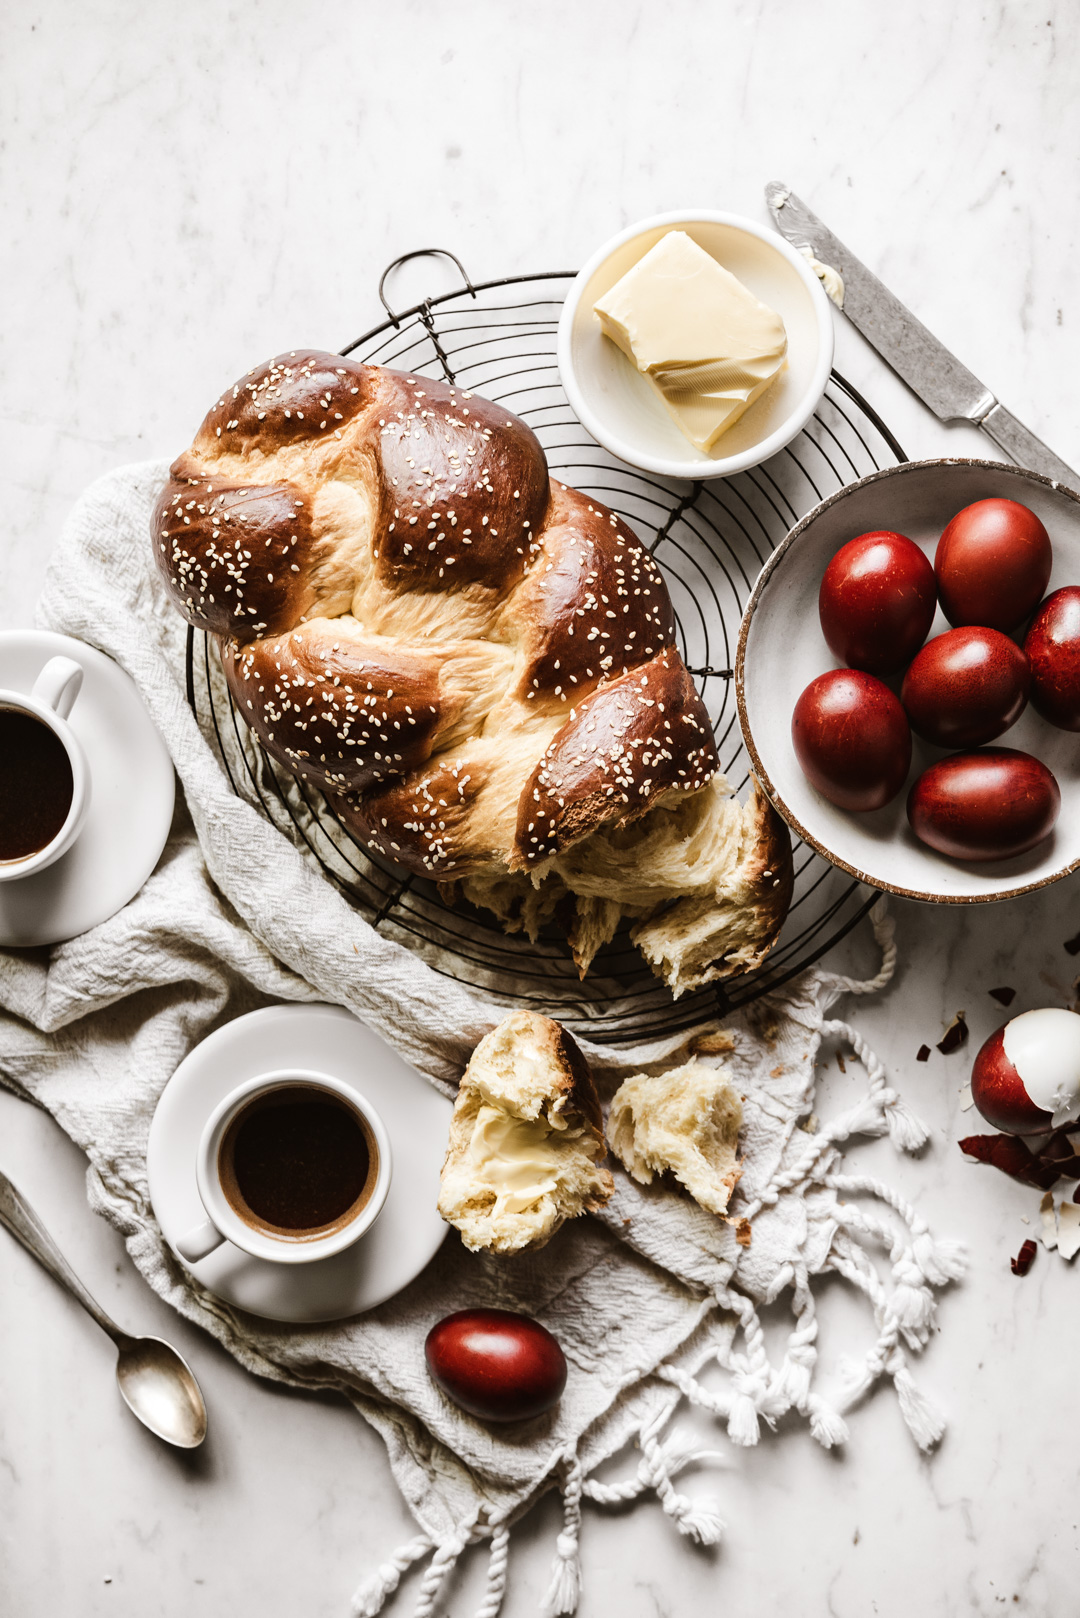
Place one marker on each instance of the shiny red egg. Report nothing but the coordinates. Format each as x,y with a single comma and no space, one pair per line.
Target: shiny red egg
851,739
1026,1078
1053,650
992,564
987,805
999,1092
495,1364
877,602
966,687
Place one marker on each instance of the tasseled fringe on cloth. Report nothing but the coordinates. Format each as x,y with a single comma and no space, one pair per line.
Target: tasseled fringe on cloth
757,1390
661,1462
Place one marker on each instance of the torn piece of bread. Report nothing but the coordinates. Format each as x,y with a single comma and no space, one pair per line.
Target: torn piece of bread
685,1122
705,880
526,1138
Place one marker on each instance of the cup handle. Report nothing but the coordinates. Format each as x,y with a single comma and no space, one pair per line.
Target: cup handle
199,1242
58,685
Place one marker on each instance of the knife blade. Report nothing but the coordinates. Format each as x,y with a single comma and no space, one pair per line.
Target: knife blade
951,391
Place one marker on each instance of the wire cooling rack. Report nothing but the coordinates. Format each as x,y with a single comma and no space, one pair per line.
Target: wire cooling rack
497,338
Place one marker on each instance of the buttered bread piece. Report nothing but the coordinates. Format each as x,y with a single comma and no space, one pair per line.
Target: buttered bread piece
684,1122
516,1160
707,345
526,1138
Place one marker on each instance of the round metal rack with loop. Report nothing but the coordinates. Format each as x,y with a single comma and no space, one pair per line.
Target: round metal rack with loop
497,338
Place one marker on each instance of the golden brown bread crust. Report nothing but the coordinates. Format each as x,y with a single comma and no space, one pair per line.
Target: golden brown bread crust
770,866
234,554
413,617
332,705
463,487
432,823
578,1082
289,400
627,742
594,603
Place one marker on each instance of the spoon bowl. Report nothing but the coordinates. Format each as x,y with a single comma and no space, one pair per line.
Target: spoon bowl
155,1381
158,1387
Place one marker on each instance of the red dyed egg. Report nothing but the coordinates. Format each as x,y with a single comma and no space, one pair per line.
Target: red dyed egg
877,602
1028,1072
851,739
992,563
999,1093
966,687
495,1364
1053,650
987,805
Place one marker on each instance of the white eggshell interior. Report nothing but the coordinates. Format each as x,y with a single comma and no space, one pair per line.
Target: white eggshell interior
1044,1048
782,649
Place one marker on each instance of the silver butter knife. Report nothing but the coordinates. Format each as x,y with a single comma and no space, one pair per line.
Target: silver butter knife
914,353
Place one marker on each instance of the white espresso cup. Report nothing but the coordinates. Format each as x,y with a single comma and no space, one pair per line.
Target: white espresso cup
220,1175
50,701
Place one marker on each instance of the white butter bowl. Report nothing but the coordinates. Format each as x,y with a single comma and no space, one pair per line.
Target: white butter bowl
621,409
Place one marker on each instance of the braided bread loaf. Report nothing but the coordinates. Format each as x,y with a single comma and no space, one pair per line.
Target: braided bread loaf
475,663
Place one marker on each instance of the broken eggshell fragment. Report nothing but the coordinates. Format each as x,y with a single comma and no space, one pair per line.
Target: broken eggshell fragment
1026,1077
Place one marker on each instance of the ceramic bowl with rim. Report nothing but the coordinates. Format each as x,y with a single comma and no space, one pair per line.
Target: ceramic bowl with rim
622,411
781,649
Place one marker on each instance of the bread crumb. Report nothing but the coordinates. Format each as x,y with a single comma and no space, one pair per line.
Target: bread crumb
684,1122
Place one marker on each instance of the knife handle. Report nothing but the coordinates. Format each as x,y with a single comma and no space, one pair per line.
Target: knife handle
1026,450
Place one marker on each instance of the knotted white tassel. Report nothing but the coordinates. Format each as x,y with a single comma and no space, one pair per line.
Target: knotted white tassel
374,1593
498,1562
826,1424
697,1519
883,1107
795,1382
865,1118
925,1422
743,1426
680,1450
437,1569
661,1461
564,1590
913,1307
941,1261
906,1132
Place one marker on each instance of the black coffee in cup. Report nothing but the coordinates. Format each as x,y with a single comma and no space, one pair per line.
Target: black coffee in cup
36,784
298,1161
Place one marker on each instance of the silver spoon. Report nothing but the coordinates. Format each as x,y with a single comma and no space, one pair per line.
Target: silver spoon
155,1383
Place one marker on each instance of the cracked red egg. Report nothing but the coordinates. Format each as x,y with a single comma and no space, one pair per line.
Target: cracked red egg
1026,1078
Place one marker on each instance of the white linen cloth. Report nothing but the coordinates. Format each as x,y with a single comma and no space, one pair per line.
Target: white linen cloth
654,1301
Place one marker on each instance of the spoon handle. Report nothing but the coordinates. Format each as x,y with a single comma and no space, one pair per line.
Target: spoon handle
24,1224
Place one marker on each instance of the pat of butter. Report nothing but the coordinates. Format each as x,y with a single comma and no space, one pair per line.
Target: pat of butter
514,1157
706,344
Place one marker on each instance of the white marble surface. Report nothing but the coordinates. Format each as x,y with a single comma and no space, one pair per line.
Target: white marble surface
188,188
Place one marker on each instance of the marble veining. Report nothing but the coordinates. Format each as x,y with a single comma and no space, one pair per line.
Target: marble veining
187,193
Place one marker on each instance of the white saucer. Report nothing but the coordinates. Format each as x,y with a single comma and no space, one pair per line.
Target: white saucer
131,798
408,1232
